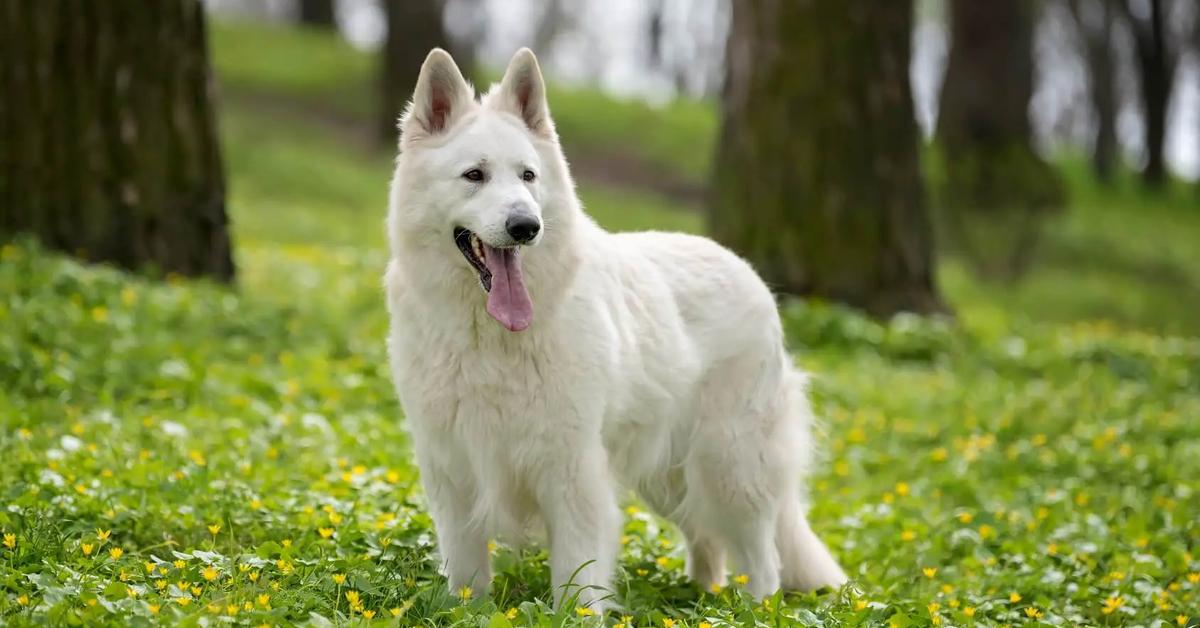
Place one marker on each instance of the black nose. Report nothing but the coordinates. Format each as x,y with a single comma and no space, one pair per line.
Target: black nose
522,227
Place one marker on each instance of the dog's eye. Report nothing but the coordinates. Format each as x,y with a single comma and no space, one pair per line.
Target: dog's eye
528,176
474,174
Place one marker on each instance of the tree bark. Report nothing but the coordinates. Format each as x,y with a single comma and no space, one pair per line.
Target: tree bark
316,13
1095,21
414,27
108,145
816,176
992,188
1156,62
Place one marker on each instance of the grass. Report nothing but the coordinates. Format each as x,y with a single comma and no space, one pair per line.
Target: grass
179,452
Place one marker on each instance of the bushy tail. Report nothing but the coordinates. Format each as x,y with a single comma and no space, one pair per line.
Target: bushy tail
806,563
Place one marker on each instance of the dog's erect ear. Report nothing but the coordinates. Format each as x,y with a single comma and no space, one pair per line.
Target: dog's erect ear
441,95
523,92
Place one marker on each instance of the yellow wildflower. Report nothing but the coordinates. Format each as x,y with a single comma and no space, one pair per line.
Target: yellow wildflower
1181,620
154,609
103,534
179,564
1112,604
742,579
214,528
368,614
860,604
1014,597
929,572
908,535
668,622
253,576
325,532
584,611
10,540
902,488
1193,577
263,599
1033,613
231,610
965,517
87,548
933,607
715,587
969,611
209,574
465,593
395,612
23,600
116,553
183,601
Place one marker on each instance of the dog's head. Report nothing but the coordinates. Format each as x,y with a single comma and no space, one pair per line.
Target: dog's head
476,175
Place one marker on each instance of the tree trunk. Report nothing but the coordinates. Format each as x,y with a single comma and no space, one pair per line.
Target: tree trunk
316,13
414,27
1156,62
1095,20
108,146
816,176
992,187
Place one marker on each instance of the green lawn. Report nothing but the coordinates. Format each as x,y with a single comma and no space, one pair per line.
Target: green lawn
182,452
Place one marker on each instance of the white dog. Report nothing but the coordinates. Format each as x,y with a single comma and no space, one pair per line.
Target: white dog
544,363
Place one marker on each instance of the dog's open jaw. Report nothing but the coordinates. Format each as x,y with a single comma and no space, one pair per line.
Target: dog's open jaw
499,271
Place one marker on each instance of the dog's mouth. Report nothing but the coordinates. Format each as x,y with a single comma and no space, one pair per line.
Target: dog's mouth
499,272
472,249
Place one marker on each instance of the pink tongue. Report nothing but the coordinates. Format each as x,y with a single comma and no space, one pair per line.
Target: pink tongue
508,300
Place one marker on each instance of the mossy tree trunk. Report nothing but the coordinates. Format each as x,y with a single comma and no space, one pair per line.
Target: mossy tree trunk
992,187
108,146
817,179
414,27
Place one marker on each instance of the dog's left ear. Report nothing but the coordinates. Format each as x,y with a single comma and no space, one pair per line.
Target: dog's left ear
523,92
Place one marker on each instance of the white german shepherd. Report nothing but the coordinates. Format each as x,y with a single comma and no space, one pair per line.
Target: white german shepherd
544,363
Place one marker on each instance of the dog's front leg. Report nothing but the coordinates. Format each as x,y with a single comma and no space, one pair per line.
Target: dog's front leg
578,502
462,543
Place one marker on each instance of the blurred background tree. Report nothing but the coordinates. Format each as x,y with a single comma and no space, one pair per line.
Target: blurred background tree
316,13
835,206
1158,56
413,28
992,188
1094,20
108,144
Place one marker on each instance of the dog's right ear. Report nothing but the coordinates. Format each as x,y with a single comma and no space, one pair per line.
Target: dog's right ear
441,95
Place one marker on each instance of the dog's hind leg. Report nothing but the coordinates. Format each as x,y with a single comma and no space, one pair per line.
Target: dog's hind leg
806,562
